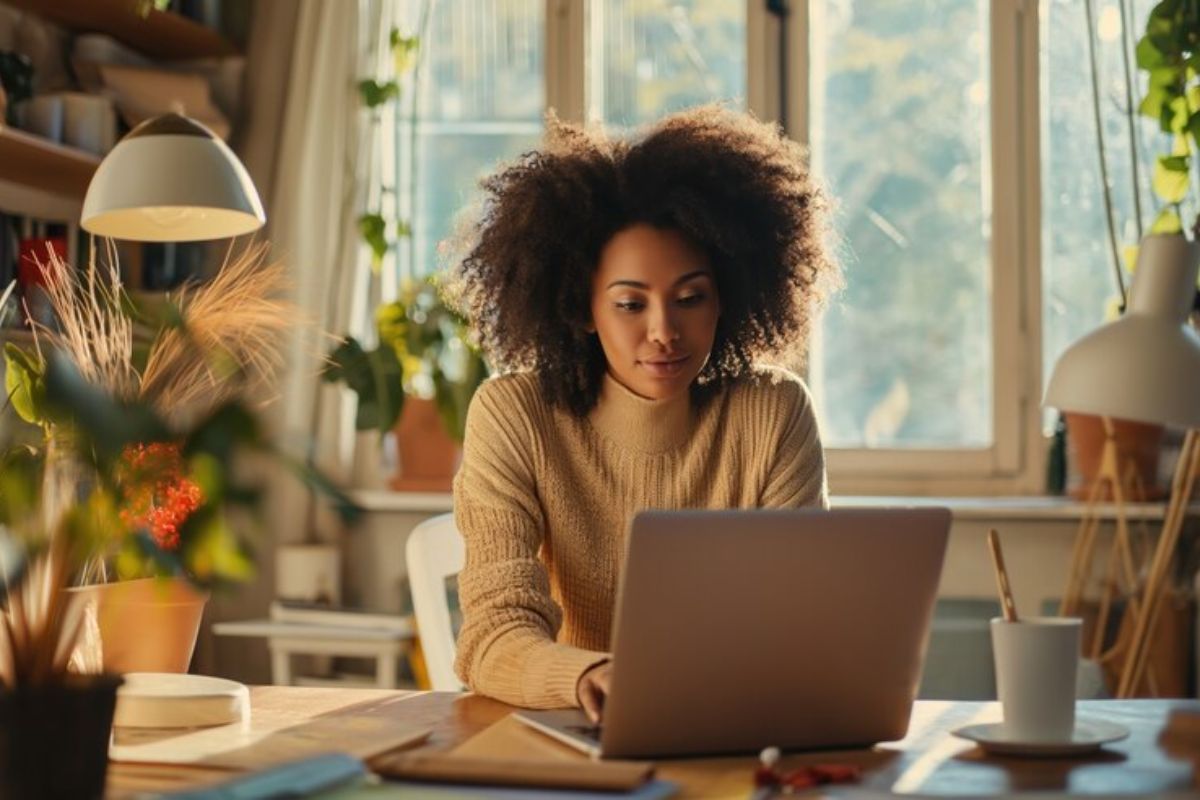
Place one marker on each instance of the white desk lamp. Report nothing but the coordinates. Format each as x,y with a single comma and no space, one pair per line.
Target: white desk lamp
172,180
1143,367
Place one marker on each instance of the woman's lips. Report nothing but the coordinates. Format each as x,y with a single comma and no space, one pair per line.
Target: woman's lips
666,367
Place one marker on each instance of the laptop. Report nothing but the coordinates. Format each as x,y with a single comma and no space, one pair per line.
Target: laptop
738,630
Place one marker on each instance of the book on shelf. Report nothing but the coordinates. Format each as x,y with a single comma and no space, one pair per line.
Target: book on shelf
302,613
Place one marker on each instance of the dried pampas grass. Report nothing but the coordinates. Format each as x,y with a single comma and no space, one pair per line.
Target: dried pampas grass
226,335
229,338
93,328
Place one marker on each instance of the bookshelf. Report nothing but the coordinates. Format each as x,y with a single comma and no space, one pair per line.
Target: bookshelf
42,176
159,34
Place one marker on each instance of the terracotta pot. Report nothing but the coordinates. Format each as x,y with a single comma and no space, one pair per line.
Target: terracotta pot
428,456
54,739
147,625
1137,442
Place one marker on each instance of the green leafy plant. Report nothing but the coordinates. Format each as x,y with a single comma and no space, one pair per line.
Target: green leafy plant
423,349
46,548
207,345
1169,52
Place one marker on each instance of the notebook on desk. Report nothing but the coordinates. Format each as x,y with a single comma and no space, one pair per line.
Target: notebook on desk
738,630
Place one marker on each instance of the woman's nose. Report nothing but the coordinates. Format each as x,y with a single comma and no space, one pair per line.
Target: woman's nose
663,328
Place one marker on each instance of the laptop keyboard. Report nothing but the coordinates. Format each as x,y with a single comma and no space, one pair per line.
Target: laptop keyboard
585,731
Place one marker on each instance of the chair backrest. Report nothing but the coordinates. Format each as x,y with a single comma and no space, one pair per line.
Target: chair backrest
435,551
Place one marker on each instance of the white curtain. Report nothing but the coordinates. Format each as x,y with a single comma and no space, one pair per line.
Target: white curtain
324,178
314,157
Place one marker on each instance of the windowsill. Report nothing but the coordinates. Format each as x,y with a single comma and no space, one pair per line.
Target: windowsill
963,508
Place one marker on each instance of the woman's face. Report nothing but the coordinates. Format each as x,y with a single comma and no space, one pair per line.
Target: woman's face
655,309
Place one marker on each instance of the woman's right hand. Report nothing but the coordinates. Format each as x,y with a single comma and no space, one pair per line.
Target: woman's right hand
592,690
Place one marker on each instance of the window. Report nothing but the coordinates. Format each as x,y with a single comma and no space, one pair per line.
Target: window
648,58
480,98
953,138
1079,285
481,92
899,132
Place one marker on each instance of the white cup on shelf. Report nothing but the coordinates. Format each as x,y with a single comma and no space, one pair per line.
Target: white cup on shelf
43,116
1037,661
89,122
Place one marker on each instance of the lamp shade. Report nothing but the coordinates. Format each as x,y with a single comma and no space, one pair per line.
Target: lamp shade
171,180
1145,366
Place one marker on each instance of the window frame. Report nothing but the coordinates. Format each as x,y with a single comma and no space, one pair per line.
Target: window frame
1013,464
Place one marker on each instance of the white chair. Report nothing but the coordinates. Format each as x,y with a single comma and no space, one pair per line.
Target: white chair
435,551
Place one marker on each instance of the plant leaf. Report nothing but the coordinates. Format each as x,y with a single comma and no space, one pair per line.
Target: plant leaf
373,229
1179,114
107,424
1170,179
375,94
1148,54
404,50
24,384
376,376
1167,221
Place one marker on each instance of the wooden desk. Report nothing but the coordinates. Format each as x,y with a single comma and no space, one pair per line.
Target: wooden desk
929,761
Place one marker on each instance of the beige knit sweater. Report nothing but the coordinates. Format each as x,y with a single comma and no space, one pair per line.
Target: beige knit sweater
544,501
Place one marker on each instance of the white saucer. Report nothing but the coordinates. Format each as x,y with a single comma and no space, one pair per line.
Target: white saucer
1089,735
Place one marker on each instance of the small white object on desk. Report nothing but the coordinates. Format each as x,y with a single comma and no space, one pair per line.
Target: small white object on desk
169,700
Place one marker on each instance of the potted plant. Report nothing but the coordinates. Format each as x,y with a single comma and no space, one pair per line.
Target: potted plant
56,698
203,347
416,382
1168,53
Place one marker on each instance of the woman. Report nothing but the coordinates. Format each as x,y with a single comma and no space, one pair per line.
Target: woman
627,290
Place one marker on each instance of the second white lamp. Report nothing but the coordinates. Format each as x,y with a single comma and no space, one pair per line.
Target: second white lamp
1146,365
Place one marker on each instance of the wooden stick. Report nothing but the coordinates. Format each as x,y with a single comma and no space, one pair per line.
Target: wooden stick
1181,490
1081,556
1156,582
1006,598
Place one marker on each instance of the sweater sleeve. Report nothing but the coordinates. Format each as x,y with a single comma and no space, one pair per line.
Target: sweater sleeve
506,647
796,476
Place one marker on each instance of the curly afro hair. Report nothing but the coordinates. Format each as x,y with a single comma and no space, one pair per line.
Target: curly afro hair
521,265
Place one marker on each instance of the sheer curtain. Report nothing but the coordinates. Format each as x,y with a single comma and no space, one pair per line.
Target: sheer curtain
313,154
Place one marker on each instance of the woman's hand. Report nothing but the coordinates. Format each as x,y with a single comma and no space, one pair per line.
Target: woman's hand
592,690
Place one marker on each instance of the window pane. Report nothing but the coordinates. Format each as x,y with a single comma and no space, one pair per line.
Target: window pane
1078,281
900,137
652,57
480,102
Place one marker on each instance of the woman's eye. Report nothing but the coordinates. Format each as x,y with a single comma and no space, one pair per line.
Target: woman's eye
691,300
629,305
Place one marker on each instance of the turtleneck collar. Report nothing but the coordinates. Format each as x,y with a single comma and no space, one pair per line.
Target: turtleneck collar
636,423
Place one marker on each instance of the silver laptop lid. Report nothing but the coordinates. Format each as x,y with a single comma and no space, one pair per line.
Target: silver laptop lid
736,630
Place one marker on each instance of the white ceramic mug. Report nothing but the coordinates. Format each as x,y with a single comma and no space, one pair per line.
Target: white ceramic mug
308,572
1037,659
89,122
43,115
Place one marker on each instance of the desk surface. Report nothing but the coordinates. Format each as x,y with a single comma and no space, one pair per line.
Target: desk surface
928,761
